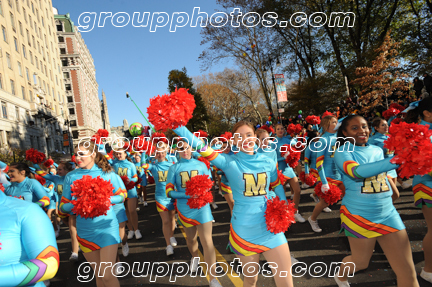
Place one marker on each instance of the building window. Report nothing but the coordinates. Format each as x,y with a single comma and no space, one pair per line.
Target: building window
72,111
61,39
30,96
8,59
1,12
12,21
16,44
28,37
70,99
27,74
21,28
73,123
1,139
12,87
59,27
24,51
20,69
8,137
31,57
23,92
1,83
34,79
64,62
66,75
17,114
4,110
25,14
62,51
68,87
75,135
4,34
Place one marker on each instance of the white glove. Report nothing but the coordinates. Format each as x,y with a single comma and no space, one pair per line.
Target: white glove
325,188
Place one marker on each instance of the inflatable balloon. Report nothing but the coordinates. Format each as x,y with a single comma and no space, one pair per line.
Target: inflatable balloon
136,129
300,112
300,116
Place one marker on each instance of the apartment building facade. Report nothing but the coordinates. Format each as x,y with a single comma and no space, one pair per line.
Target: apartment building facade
32,95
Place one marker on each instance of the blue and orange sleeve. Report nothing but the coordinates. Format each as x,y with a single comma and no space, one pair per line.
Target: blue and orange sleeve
170,186
66,206
41,194
37,236
120,192
307,157
320,160
345,161
276,184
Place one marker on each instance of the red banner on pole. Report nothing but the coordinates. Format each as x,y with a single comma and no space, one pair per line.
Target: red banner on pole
280,88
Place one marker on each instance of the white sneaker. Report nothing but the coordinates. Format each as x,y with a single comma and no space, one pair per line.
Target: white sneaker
298,217
73,257
194,264
145,203
341,283
138,234
426,275
292,196
314,225
293,260
57,233
47,283
169,250
215,283
220,193
314,197
173,242
118,270
327,209
137,209
214,205
140,200
304,185
406,185
125,250
287,185
130,234
216,186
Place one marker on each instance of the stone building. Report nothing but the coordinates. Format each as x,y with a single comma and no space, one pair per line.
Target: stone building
79,76
32,98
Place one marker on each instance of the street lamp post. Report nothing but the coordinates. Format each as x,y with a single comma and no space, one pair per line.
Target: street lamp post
69,138
270,63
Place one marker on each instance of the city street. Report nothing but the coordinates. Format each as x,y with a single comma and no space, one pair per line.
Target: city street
307,246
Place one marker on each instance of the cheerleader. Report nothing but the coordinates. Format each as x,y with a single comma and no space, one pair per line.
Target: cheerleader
98,237
381,127
24,187
195,221
422,186
62,170
164,205
310,160
327,171
123,167
29,253
250,175
367,212
289,175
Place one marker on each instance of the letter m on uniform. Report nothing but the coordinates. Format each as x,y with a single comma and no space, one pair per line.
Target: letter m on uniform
255,187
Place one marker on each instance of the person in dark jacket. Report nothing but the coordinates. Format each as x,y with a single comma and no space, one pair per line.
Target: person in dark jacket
427,81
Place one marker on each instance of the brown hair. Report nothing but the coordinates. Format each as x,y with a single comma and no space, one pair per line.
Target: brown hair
376,122
20,166
325,122
416,115
67,166
118,149
242,123
259,132
99,160
278,124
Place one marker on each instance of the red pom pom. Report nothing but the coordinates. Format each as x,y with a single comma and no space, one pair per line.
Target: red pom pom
2,187
313,120
139,180
326,114
390,113
35,156
412,148
140,144
171,111
93,196
40,179
159,137
332,196
279,215
207,163
73,159
294,129
281,177
309,179
226,136
294,156
199,190
48,163
103,133
396,121
128,183
202,134
151,180
269,129
397,107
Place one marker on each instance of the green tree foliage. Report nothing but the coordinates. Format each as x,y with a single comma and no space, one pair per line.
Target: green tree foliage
180,79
